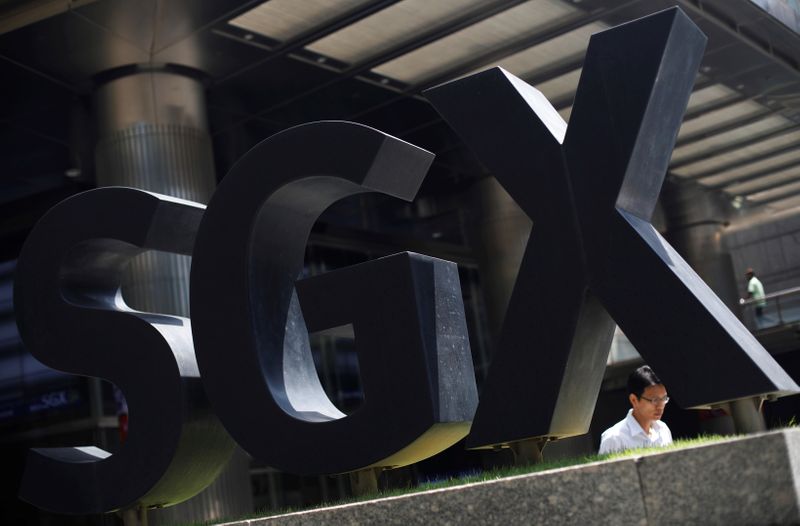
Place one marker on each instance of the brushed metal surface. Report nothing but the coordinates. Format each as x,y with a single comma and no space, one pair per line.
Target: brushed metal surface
153,136
152,97
696,219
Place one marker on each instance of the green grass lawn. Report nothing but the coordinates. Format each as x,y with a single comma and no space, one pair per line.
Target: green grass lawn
488,475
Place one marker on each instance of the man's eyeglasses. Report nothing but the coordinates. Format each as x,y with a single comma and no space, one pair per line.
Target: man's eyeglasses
656,401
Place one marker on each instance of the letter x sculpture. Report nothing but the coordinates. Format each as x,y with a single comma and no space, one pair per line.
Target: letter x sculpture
593,257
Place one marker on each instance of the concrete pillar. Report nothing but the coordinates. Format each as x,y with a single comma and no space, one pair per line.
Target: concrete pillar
153,135
696,218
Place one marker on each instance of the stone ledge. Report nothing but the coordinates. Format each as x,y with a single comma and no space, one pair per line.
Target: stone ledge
750,480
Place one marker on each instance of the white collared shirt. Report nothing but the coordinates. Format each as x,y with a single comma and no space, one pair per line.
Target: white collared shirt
628,434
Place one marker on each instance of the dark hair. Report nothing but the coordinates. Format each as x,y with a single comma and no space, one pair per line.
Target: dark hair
641,379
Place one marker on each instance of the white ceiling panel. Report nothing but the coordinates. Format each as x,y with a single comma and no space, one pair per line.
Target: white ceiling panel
709,95
784,204
774,193
560,87
398,23
720,140
730,176
285,19
740,154
720,117
503,28
529,61
788,175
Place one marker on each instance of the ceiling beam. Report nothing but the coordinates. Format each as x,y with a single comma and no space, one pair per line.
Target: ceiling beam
312,35
767,187
724,127
713,106
731,146
548,73
466,19
493,55
755,175
778,197
697,7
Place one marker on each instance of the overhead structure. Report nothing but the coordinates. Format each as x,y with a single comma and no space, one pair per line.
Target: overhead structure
270,65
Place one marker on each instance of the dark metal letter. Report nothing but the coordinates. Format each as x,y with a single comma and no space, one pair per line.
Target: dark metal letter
252,341
592,247
72,318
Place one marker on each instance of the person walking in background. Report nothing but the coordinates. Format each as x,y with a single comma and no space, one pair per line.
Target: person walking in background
755,290
642,427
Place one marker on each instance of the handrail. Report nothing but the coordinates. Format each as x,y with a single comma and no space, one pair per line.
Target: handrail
773,295
773,298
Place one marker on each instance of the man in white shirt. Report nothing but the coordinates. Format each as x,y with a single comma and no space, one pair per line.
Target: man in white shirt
643,426
755,290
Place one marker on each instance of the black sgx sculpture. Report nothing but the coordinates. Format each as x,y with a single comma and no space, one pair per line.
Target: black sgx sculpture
593,257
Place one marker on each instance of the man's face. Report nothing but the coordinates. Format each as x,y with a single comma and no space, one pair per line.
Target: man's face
647,410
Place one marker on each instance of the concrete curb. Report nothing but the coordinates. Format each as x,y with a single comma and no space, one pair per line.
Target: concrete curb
750,480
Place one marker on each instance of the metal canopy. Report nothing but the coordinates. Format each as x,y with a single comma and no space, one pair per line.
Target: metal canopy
270,65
